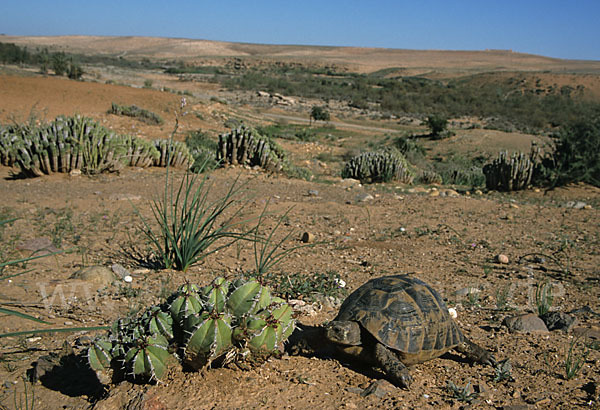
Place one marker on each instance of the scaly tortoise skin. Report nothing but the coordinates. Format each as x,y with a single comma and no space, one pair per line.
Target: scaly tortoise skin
395,321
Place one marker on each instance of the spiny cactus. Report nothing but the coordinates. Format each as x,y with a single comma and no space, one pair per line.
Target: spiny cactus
378,166
201,326
178,156
245,146
430,177
69,143
511,173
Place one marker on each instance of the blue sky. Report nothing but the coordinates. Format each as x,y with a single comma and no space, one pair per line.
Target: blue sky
564,29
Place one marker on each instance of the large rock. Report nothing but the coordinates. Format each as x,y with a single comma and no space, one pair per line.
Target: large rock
526,323
99,275
559,321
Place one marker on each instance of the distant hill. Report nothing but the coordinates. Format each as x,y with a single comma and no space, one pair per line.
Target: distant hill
359,59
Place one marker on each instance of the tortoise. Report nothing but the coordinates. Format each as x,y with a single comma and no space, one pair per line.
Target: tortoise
395,321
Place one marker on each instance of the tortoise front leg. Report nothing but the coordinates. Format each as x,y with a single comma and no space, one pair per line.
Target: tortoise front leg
476,353
393,367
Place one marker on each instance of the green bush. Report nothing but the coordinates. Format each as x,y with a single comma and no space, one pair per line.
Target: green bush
576,155
134,111
319,114
203,150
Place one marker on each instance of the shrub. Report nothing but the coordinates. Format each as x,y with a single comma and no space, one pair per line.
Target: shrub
203,150
438,126
319,114
576,155
134,111
75,71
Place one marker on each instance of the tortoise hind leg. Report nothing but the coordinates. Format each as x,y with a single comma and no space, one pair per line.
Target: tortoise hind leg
393,367
476,353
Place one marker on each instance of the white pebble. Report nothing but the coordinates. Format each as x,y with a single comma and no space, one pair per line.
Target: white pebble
128,279
453,313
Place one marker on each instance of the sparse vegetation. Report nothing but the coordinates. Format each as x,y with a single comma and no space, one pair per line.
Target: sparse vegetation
575,157
452,235
134,111
378,166
543,297
575,358
464,394
512,173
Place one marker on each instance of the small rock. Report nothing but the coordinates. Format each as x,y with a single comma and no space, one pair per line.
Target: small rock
128,279
418,190
364,197
42,366
526,323
452,312
125,197
120,270
467,291
592,332
68,323
516,407
39,246
451,193
434,192
99,275
75,172
559,321
313,192
379,388
501,258
576,204
349,183
307,237
478,192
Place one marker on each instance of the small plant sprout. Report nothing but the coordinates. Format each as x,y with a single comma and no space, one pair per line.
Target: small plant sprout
575,358
503,371
543,297
267,253
465,394
502,296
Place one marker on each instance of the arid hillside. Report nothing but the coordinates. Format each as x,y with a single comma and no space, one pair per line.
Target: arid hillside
364,60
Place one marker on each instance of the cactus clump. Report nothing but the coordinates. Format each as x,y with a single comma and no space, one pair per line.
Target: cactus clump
177,156
511,173
201,326
70,143
378,166
430,177
244,146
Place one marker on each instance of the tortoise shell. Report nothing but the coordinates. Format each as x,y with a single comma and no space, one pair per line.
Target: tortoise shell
405,314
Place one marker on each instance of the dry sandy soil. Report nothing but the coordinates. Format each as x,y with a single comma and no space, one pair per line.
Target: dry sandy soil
448,240
358,59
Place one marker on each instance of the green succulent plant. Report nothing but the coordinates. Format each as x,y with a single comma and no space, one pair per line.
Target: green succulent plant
198,325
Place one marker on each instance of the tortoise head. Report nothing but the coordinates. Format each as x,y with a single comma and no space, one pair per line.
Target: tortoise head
343,332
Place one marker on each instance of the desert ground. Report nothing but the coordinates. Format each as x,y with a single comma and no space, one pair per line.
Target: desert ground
448,236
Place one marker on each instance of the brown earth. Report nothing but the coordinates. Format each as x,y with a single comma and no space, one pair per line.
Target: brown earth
448,239
359,59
